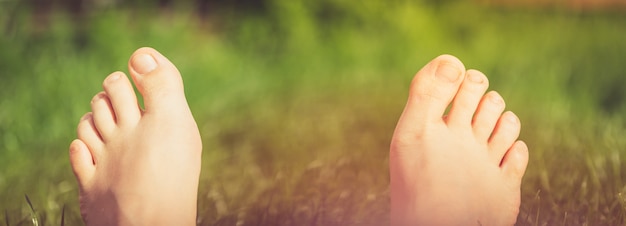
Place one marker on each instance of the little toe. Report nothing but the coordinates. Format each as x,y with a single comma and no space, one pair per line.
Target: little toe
487,114
467,99
103,115
504,135
431,91
122,97
88,133
157,79
515,161
82,162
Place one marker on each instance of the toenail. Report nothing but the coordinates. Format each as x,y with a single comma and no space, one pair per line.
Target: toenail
85,116
496,99
448,71
511,118
474,77
96,97
143,63
114,76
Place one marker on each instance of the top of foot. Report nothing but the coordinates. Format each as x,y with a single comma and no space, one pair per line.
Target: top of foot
464,168
139,166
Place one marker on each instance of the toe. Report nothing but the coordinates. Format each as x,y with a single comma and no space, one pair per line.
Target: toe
82,162
157,79
506,132
467,99
88,133
487,114
103,115
515,161
431,91
122,97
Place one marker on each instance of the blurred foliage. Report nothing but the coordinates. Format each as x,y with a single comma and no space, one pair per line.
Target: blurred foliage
297,100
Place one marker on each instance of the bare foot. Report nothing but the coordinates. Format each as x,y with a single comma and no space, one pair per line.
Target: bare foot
461,169
134,166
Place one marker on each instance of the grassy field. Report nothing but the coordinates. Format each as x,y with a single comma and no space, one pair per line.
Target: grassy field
297,103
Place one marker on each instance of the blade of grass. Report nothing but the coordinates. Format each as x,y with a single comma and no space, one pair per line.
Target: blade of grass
63,216
538,198
33,215
6,217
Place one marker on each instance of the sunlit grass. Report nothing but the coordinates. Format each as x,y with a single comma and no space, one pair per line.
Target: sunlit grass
297,105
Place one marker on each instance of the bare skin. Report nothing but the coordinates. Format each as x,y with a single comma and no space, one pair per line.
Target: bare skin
464,168
134,166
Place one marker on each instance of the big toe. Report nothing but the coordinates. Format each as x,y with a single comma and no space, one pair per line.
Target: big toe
157,79
431,91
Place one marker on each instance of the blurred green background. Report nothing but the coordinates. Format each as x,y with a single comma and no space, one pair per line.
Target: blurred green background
297,100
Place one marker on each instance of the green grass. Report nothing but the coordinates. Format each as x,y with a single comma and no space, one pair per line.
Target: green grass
297,104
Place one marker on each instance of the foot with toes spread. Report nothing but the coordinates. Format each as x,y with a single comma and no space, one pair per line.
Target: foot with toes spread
138,166
464,168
